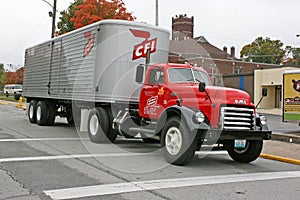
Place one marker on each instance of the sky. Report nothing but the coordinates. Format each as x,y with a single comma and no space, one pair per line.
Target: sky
222,22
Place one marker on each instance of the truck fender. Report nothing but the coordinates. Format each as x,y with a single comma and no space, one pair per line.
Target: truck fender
186,114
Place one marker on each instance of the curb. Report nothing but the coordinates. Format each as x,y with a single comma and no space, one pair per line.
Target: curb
279,158
290,138
22,107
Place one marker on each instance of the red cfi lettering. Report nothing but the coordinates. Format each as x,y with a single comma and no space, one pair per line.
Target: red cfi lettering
140,50
90,43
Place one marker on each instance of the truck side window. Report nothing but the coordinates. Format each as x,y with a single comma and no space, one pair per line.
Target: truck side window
156,77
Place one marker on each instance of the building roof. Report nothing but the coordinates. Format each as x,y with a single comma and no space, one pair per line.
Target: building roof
198,47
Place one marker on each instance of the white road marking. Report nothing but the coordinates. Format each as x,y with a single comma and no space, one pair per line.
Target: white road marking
39,139
59,157
118,188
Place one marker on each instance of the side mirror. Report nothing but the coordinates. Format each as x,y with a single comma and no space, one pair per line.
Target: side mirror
202,86
264,92
139,75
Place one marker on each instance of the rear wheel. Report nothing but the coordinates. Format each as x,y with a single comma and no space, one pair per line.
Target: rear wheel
248,154
32,111
178,143
42,113
52,113
98,126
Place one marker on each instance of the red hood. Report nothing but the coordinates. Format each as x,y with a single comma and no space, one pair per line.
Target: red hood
220,96
229,96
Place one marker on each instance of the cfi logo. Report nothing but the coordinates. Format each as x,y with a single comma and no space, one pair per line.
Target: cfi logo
90,43
140,50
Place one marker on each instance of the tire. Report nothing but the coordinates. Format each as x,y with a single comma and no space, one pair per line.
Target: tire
42,113
70,119
177,142
98,126
6,94
248,154
32,111
52,113
113,134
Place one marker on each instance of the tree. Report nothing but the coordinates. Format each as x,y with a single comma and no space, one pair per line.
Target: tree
85,12
263,51
65,24
11,78
2,76
20,75
14,77
292,56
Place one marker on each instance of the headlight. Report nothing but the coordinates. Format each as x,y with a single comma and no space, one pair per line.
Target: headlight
263,120
199,117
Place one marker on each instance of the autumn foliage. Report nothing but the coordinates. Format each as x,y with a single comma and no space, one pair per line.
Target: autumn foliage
15,77
91,11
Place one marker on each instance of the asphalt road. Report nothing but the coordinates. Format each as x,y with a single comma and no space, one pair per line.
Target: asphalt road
60,163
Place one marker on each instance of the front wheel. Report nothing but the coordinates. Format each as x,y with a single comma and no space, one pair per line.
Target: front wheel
248,154
178,143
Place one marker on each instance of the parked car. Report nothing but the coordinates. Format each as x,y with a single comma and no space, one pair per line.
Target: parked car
12,89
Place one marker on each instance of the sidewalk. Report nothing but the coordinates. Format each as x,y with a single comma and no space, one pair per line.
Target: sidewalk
11,103
284,137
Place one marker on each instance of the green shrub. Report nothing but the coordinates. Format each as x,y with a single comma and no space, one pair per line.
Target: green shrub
17,96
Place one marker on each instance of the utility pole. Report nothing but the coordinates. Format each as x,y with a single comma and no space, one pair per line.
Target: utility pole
53,19
156,13
53,15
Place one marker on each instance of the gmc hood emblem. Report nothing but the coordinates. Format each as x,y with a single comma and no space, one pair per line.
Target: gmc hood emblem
240,101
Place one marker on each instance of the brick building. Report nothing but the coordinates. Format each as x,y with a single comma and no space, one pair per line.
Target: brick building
220,64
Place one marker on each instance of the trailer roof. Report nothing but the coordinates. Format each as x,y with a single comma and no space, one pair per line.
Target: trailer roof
104,22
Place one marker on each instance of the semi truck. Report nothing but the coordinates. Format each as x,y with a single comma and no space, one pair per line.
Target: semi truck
291,96
117,72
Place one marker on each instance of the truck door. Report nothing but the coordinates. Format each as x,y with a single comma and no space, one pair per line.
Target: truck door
152,94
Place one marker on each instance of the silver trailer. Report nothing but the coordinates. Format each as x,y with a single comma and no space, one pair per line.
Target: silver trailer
92,65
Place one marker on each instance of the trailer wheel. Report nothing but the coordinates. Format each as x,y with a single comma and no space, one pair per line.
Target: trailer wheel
70,119
248,154
52,113
177,142
32,111
112,134
98,126
42,113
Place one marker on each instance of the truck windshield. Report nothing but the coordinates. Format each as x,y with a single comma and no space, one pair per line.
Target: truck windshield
177,75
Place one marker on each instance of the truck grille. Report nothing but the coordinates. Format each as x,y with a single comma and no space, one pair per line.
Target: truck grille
233,118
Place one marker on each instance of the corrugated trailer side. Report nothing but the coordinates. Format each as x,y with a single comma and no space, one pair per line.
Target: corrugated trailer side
56,69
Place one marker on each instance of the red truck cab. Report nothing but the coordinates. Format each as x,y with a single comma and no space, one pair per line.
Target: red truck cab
188,112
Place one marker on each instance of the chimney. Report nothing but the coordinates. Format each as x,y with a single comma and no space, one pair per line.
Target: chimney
225,49
232,52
